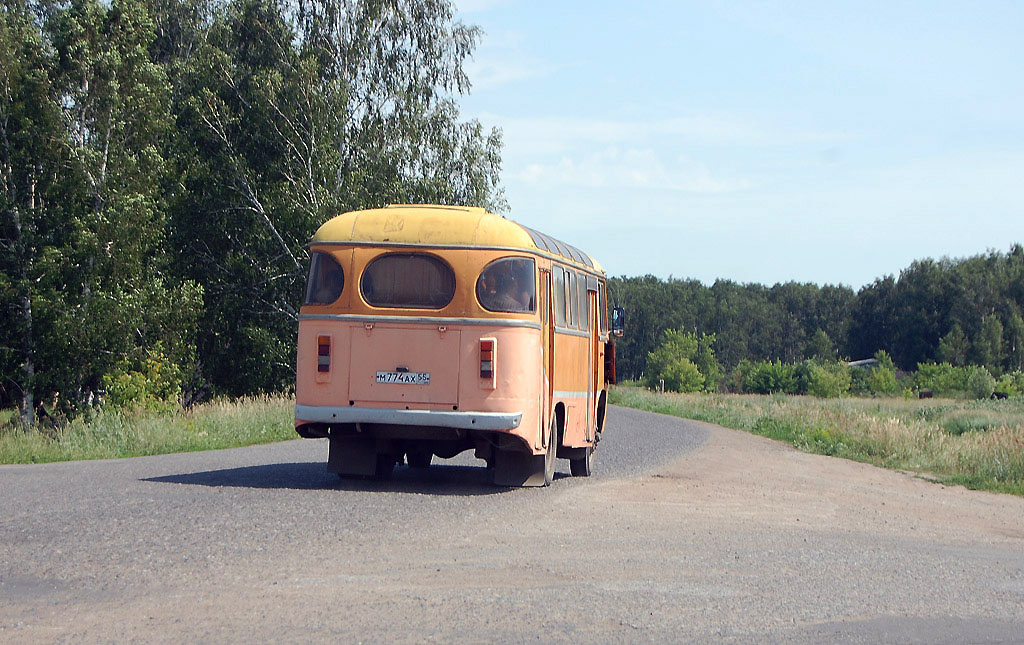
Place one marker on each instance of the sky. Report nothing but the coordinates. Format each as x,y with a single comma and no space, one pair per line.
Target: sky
823,142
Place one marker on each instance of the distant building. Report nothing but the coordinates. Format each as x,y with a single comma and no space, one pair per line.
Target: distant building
867,363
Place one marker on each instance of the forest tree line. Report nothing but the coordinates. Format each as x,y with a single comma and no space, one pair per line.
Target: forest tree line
956,311
164,162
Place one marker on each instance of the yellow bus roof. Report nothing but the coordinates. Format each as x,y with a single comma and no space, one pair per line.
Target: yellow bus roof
455,226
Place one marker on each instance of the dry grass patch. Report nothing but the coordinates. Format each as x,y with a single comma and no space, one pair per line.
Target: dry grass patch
132,433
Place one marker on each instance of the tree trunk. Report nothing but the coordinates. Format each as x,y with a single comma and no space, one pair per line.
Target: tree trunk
28,404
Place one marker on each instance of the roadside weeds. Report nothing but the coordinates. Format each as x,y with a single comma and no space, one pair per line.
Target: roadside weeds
977,444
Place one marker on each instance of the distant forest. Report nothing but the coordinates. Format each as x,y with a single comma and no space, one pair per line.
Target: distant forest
961,311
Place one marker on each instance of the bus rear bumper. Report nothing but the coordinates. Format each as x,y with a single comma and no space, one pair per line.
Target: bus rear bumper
437,418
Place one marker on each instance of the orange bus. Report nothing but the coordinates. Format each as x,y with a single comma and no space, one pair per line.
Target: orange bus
431,330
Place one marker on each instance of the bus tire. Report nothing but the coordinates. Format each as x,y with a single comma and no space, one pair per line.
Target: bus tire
419,458
385,466
352,457
584,466
519,468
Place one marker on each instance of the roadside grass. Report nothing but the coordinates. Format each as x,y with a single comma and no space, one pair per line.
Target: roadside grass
977,444
134,433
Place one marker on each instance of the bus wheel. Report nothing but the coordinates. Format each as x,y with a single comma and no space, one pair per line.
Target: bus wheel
519,468
419,458
584,466
385,466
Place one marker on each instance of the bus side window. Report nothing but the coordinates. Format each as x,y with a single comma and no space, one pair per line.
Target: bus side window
570,297
558,294
508,284
602,308
582,295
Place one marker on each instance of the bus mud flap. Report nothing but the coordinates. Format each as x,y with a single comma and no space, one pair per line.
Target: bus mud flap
515,468
352,456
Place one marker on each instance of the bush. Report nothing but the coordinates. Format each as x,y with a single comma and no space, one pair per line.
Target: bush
1012,383
768,377
155,384
961,423
827,380
680,375
859,381
882,381
685,361
942,378
980,384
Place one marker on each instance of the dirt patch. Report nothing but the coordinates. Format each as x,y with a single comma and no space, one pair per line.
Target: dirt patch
738,477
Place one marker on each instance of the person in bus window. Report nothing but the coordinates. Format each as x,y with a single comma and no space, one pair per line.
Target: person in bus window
328,291
507,293
507,285
523,286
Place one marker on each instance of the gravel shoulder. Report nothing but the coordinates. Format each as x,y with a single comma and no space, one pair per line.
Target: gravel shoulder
736,538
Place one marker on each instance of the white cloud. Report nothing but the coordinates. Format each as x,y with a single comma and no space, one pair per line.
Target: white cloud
503,58
612,168
487,74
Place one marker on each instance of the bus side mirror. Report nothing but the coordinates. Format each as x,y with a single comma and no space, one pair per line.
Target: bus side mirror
618,321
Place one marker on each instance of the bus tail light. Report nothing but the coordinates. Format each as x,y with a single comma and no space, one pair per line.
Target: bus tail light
323,354
488,350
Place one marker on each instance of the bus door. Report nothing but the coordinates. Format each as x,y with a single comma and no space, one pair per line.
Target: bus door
593,352
547,349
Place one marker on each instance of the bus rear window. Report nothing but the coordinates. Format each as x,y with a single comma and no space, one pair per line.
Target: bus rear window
408,280
326,280
508,285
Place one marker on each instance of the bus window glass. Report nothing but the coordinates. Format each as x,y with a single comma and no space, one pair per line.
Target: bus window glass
408,280
581,292
602,309
326,280
558,294
570,297
508,285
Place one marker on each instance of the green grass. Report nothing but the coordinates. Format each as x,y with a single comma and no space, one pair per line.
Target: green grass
134,433
978,444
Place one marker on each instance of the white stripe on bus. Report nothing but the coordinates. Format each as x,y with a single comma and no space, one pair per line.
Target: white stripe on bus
563,394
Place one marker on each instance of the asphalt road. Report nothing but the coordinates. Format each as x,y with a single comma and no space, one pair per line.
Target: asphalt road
78,533
262,544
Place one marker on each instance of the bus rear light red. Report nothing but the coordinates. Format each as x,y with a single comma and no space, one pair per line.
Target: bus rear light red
323,359
487,358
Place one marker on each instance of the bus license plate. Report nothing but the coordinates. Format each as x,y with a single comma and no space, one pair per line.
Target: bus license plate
405,378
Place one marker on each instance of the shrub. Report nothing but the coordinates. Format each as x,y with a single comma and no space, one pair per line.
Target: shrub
685,361
980,384
859,381
827,380
767,377
961,423
942,378
882,380
680,375
1012,383
155,384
